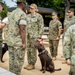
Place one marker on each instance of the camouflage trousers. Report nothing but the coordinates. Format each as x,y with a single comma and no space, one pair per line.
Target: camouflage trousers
53,45
72,70
16,59
31,51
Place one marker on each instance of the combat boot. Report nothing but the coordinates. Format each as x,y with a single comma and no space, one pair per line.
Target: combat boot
25,67
31,67
54,58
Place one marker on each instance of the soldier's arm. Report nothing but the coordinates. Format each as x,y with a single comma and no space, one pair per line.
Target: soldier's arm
60,29
64,28
4,22
65,22
59,32
67,44
41,25
23,34
49,26
2,25
22,25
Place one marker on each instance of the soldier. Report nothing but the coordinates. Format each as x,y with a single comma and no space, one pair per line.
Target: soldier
70,20
1,40
34,31
69,48
16,37
55,28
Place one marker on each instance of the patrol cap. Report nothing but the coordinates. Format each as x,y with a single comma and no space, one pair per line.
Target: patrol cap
70,10
34,6
54,14
24,1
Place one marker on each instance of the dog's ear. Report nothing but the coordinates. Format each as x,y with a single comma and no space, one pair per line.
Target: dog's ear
5,46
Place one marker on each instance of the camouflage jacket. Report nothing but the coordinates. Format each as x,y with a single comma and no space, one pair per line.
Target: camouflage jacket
69,44
35,25
14,37
54,26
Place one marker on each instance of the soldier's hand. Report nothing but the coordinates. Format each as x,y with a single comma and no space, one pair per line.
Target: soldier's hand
40,40
68,61
2,25
57,38
24,46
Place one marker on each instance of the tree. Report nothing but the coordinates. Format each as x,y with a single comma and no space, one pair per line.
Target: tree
3,14
67,6
55,4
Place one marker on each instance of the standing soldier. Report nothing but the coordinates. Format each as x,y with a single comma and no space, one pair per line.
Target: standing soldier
16,37
69,48
66,17
70,20
1,8
55,28
34,31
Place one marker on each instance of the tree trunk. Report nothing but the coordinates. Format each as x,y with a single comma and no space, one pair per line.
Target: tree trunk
67,6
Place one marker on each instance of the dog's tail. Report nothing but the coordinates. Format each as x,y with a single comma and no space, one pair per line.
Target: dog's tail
57,69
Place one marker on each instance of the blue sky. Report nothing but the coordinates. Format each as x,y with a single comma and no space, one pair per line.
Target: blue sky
10,3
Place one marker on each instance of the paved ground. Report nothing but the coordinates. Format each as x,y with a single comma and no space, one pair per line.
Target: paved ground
58,63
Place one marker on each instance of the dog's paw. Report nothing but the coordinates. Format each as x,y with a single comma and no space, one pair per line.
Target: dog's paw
41,70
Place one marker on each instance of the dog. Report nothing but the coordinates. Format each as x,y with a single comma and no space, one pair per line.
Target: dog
4,49
45,58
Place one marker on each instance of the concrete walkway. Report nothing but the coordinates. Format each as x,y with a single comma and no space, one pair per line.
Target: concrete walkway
58,63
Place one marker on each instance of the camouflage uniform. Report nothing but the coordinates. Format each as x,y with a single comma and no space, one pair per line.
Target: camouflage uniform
34,31
69,47
54,26
67,23
16,54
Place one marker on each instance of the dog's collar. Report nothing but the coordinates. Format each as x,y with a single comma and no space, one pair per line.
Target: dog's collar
42,52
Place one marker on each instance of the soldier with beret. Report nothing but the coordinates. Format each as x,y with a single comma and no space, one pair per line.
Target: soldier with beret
55,28
16,37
